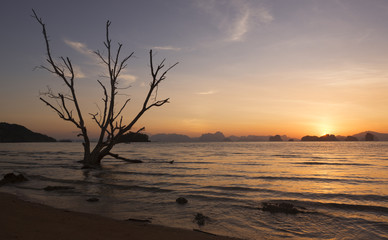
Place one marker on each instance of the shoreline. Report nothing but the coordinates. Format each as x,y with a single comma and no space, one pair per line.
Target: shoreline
21,219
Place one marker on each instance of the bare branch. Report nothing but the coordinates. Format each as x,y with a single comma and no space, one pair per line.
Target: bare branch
57,69
101,57
158,103
140,130
60,114
122,64
156,80
122,108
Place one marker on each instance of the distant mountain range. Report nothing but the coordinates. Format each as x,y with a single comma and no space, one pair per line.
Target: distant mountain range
18,133
220,137
211,137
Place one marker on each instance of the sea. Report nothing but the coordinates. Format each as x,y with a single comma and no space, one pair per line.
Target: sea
342,187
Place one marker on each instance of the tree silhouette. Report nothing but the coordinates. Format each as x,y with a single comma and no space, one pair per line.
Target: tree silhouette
109,119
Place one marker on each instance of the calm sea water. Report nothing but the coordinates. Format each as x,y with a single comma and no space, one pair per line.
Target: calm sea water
342,185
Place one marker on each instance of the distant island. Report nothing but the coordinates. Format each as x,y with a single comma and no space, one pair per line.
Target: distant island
18,133
133,137
364,136
220,137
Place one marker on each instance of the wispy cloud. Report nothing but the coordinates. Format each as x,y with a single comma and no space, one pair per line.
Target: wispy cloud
240,27
207,92
79,47
78,73
167,48
128,78
356,76
84,50
236,17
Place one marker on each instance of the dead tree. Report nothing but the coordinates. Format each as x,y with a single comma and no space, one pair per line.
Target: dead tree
109,119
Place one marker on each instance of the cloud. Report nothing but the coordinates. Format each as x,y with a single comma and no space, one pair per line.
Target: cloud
246,17
263,15
207,92
79,47
168,48
355,76
240,27
128,78
78,72
236,18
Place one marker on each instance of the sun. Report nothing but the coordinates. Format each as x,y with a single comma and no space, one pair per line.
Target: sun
325,129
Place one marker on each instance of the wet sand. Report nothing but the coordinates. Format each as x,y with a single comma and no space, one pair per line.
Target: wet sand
25,220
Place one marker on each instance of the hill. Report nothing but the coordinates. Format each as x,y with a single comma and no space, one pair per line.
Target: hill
133,137
170,138
18,133
380,136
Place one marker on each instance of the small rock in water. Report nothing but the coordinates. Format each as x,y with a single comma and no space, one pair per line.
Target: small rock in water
200,219
12,178
280,207
56,188
93,199
181,200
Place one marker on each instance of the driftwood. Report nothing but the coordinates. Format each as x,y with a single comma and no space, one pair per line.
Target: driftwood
57,188
125,159
197,230
93,199
138,220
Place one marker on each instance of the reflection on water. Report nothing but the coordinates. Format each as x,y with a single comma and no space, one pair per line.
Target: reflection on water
343,185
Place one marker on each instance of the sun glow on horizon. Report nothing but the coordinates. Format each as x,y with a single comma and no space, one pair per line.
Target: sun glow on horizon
325,128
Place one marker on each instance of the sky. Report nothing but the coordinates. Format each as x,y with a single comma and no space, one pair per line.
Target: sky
246,67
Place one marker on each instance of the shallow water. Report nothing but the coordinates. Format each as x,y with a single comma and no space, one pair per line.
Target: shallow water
343,186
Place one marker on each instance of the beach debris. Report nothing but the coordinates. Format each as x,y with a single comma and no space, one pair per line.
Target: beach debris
57,188
280,207
93,199
12,178
208,233
181,200
138,220
200,219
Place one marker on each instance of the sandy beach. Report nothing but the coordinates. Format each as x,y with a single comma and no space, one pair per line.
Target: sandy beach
25,220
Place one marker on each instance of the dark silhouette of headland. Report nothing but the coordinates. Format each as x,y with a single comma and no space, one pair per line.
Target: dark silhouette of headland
18,133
